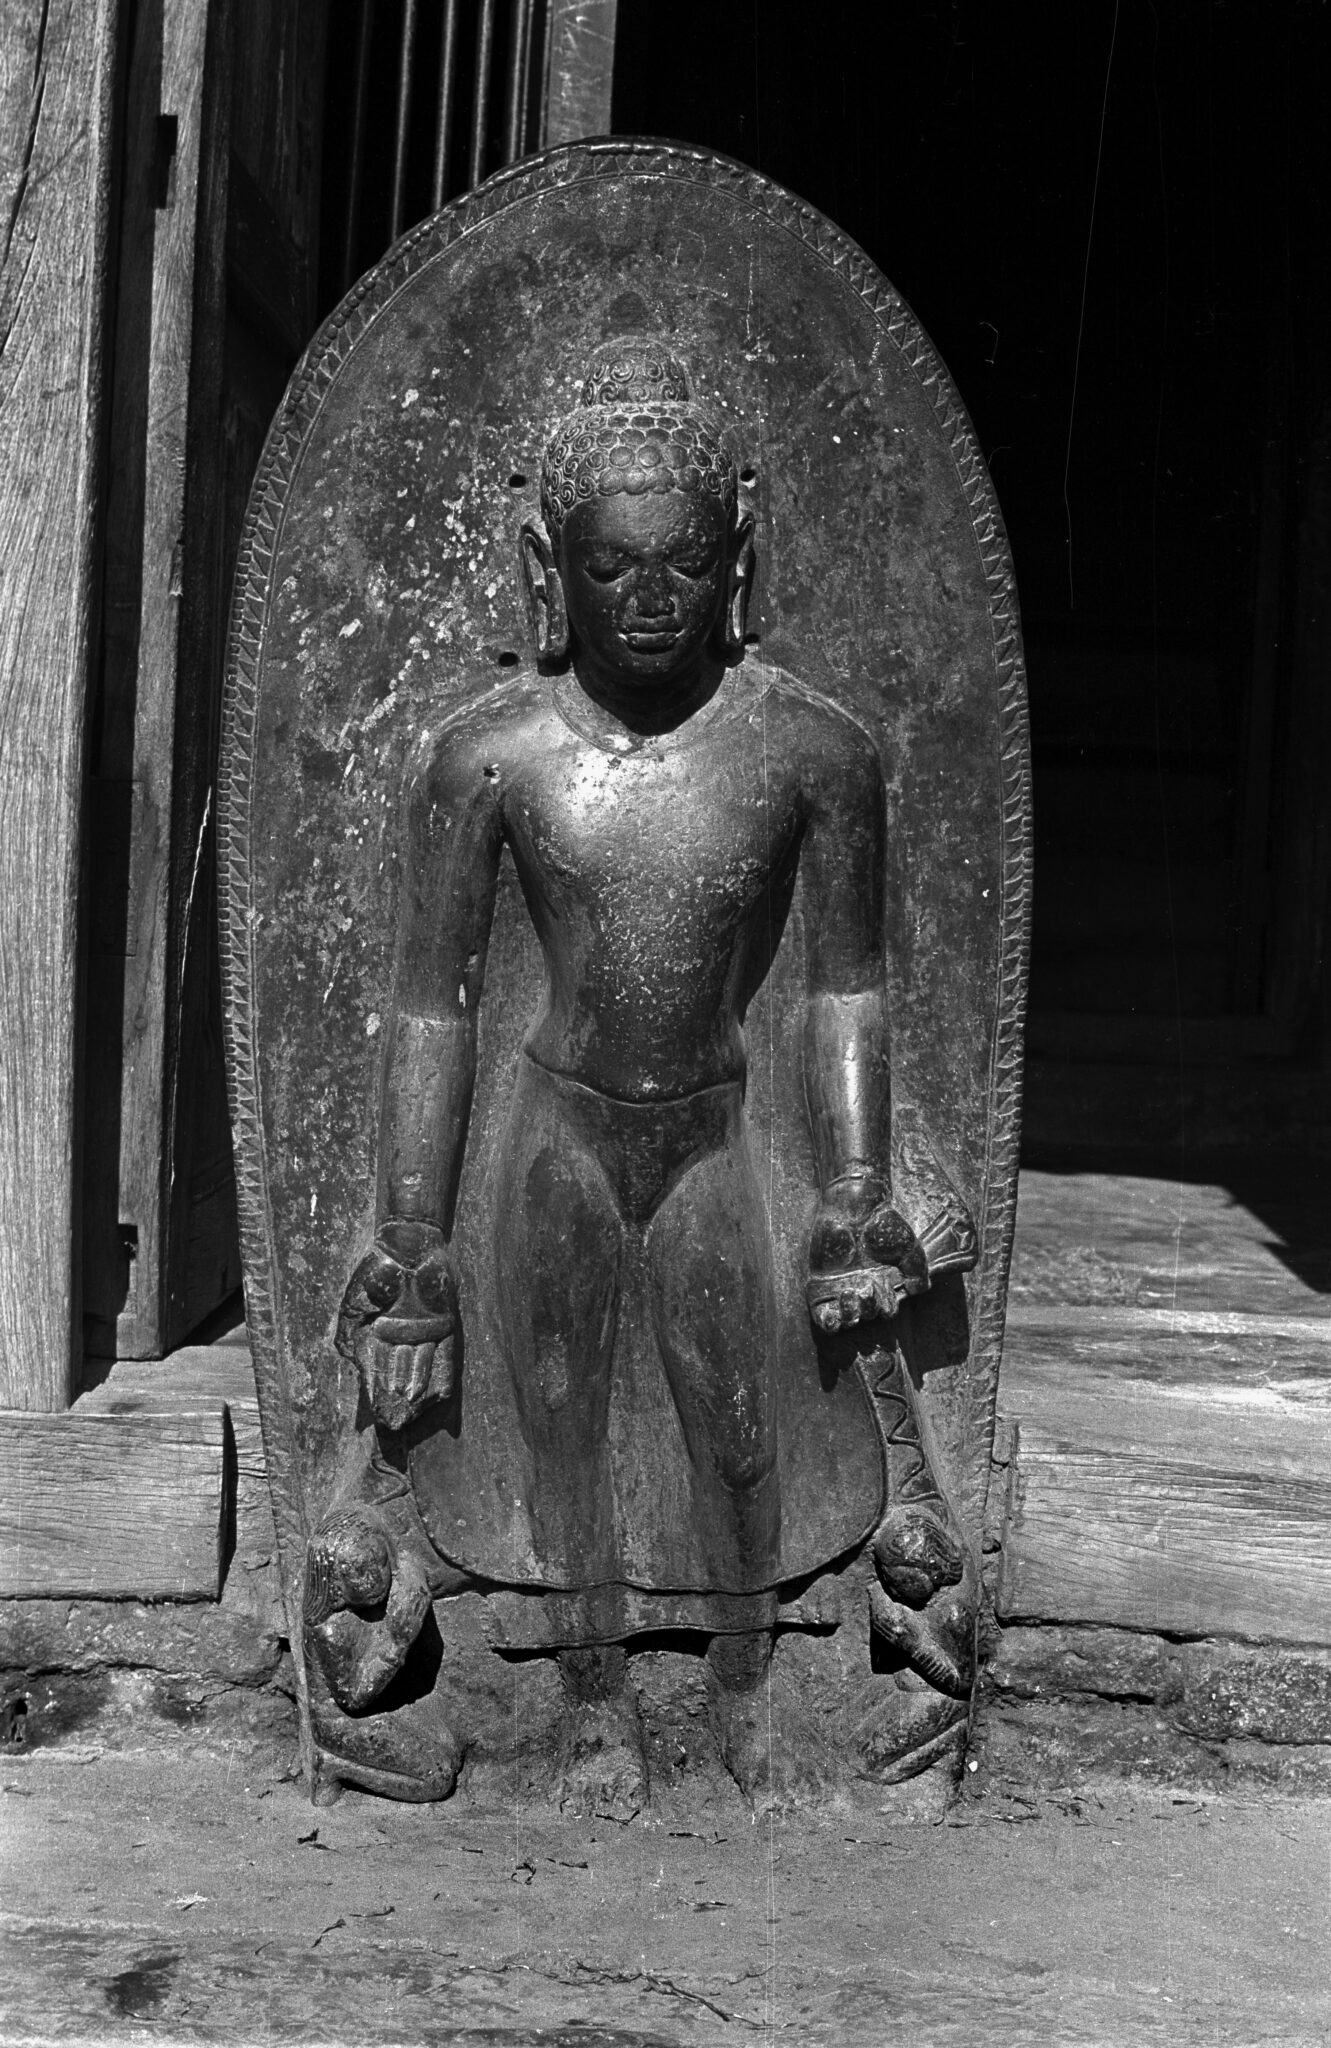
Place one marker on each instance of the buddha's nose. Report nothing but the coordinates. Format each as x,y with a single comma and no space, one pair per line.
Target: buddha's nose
652,598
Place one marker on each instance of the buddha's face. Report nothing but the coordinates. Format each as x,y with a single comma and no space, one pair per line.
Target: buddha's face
646,581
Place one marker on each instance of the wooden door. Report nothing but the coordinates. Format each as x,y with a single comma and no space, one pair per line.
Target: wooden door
215,299
58,64
161,273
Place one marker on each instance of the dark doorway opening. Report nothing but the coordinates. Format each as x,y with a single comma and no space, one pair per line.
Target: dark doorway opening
1112,220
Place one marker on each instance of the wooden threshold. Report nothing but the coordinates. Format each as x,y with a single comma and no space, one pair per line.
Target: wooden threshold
1171,1445
130,1493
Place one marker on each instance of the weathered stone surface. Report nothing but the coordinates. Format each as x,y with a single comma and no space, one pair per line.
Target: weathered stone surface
1230,1691
1125,1918
90,1635
1112,1663
1085,1700
64,1713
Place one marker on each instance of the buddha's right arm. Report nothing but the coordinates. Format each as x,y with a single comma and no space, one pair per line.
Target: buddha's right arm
428,1084
453,840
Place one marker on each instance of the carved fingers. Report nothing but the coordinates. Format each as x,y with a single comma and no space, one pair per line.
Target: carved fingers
837,1301
399,1322
864,1258
400,1379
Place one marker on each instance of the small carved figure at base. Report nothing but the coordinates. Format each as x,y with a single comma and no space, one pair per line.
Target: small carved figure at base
409,1752
372,1657
923,1599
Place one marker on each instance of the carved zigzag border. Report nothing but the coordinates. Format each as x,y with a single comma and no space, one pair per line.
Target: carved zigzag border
578,163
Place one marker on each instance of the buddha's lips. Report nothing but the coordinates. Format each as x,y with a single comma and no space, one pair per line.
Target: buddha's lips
647,642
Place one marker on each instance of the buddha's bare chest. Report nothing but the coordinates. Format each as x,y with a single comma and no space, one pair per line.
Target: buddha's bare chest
680,844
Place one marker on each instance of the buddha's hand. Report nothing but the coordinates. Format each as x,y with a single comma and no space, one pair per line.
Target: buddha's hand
864,1258
399,1322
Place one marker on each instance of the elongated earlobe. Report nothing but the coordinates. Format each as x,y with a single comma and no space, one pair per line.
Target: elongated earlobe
741,585
545,594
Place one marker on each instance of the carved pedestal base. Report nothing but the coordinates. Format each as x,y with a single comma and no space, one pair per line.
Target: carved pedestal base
865,1674
616,1731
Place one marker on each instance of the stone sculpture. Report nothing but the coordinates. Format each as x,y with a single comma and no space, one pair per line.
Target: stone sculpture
614,1333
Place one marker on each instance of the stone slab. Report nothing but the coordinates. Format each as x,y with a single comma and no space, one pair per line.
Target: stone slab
1019,1921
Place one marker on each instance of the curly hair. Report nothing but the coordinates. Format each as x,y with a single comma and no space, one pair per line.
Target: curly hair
637,428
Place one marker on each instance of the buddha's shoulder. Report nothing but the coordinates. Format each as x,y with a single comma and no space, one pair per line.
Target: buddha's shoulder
814,721
491,725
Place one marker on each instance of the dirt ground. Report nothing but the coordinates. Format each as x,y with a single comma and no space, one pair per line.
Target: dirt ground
196,1896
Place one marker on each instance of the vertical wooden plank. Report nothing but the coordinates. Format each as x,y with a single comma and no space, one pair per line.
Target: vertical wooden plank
480,92
219,239
516,93
443,134
276,137
160,645
259,163
121,850
202,1263
581,45
57,66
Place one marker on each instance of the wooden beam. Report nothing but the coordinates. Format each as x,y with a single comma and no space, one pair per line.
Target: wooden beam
57,65
1138,1541
112,1506
1171,1472
1206,1385
1257,1242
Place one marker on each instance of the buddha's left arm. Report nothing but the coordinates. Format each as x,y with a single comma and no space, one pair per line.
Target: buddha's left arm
846,1055
863,1256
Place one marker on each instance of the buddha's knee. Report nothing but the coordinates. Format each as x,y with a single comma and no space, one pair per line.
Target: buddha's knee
746,1465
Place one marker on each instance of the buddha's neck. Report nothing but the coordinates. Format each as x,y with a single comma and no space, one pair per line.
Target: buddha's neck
633,708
